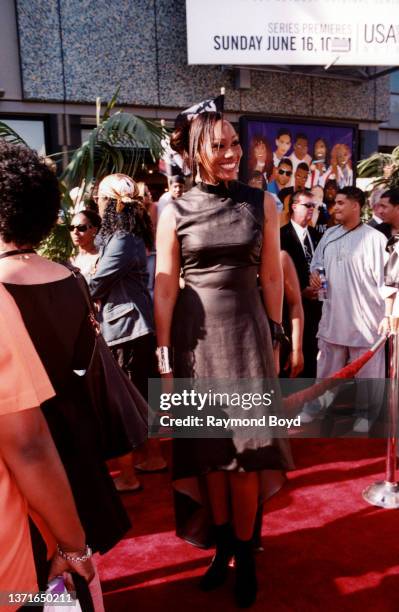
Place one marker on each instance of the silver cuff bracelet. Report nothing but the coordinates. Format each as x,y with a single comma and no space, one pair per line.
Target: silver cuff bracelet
163,354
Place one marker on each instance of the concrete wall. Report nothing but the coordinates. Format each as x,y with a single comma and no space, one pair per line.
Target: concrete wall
90,46
10,74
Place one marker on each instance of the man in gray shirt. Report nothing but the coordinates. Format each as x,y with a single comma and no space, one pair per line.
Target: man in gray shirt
352,255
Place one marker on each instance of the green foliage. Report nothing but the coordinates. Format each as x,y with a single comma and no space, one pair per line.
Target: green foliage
58,245
8,134
383,166
117,144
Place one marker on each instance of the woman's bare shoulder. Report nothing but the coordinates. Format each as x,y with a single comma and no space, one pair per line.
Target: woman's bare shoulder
32,271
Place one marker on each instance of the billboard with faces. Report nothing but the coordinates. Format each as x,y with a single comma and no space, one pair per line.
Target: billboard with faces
316,152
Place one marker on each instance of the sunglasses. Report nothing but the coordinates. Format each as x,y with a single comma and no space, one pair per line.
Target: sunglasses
80,228
287,172
309,205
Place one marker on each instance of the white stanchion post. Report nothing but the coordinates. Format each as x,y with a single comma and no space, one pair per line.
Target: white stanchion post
385,493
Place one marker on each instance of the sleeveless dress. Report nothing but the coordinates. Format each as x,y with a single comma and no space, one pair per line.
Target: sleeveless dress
56,317
220,331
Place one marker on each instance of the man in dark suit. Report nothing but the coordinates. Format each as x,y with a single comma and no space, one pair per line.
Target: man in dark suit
300,241
376,220
389,212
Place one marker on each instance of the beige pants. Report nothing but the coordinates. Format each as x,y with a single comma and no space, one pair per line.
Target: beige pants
333,357
369,393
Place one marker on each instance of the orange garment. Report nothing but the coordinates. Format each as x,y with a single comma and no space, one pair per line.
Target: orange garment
23,385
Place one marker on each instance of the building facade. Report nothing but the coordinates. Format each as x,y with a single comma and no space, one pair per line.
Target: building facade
59,55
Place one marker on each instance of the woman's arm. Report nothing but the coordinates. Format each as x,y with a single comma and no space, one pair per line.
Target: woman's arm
270,272
292,293
166,275
28,450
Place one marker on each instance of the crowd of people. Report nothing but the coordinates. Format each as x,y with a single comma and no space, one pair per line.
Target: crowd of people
236,273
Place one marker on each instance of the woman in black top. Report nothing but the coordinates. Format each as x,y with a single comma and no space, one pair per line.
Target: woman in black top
222,233
55,313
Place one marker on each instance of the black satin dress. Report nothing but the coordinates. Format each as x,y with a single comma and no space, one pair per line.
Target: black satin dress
220,331
56,317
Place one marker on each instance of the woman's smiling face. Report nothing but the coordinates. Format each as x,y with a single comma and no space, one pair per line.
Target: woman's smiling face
223,153
320,150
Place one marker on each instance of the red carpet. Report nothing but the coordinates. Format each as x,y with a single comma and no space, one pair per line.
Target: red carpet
325,548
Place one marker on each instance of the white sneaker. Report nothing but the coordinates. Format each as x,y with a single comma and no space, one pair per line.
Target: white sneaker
361,425
305,418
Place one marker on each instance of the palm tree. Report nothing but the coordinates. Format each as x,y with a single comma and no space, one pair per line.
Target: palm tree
117,144
8,134
383,167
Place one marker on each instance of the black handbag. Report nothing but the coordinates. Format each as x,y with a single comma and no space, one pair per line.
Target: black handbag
121,411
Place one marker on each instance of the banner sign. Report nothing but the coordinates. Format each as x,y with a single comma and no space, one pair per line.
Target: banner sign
293,32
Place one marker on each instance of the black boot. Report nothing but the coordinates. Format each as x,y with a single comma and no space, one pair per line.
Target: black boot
246,586
216,573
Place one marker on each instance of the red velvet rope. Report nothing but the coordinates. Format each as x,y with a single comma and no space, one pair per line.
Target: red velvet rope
296,400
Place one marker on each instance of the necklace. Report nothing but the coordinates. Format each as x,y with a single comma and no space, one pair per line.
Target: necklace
22,252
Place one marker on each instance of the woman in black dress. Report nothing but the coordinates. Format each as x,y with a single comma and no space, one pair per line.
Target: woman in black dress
222,234
55,314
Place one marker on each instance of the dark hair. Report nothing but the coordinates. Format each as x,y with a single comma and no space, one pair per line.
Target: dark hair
90,204
353,193
392,195
302,166
286,161
294,197
256,140
133,219
93,217
177,178
256,174
331,183
189,139
283,131
29,196
301,135
327,157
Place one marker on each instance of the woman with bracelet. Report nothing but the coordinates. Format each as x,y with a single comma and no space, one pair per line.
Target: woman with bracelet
31,473
222,234
55,314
